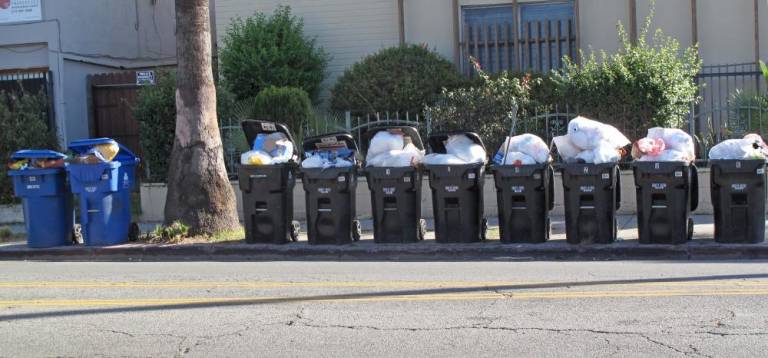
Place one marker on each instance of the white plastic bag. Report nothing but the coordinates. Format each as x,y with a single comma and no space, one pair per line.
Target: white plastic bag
283,152
442,159
565,148
589,134
383,142
465,149
519,158
529,144
736,149
255,157
314,161
606,152
675,139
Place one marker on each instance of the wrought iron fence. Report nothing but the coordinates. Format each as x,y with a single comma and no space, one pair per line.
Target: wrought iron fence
738,119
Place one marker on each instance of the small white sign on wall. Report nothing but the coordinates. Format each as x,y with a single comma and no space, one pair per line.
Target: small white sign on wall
144,77
20,11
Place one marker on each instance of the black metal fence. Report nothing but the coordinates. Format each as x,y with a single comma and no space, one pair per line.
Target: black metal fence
32,82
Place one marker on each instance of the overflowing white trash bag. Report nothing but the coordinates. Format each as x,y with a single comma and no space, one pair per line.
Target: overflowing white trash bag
751,146
524,149
459,149
665,145
590,142
266,149
392,149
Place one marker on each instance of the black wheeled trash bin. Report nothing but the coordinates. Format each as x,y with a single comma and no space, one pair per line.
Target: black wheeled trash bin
738,198
667,194
457,194
395,193
592,195
267,191
330,192
525,196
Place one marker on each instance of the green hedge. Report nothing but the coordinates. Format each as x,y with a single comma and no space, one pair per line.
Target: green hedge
23,125
396,79
259,52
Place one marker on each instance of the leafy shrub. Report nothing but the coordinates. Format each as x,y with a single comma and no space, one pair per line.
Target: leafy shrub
5,233
487,108
641,86
748,112
156,111
171,234
262,51
23,125
396,79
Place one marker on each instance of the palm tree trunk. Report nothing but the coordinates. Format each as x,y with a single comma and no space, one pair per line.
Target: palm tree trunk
199,192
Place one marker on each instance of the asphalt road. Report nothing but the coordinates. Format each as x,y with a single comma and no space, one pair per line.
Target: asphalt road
372,309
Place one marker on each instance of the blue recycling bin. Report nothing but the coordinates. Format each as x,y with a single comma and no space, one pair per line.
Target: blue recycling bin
104,192
46,199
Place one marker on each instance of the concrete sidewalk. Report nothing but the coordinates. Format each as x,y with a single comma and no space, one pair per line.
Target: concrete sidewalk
627,247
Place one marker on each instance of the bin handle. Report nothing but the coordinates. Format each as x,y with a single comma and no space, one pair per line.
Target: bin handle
551,188
617,188
694,187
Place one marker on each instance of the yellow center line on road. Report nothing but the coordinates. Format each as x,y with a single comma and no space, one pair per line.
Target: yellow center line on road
373,297
364,284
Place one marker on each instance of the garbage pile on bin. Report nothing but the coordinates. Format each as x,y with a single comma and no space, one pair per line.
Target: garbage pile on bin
592,142
269,148
330,156
665,145
524,149
751,146
390,148
459,149
20,163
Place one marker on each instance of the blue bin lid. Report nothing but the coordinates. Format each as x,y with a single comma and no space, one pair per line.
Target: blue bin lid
82,146
37,154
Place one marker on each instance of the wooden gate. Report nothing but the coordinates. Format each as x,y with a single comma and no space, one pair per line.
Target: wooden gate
113,96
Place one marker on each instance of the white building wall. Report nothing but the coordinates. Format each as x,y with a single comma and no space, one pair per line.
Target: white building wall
347,29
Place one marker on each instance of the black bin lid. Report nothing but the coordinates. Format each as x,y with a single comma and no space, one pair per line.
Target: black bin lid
330,141
437,145
407,131
253,127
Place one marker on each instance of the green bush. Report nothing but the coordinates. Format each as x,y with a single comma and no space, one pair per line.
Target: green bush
288,105
488,108
748,112
23,125
155,109
642,85
262,51
396,79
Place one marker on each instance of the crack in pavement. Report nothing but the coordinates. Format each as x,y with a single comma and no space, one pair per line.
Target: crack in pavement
693,351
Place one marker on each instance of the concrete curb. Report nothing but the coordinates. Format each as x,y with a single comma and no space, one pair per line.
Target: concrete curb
368,251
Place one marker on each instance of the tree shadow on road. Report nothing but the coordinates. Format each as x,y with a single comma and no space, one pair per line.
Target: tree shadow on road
375,294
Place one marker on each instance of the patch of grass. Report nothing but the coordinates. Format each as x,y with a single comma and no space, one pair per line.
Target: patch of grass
178,233
171,234
225,236
6,235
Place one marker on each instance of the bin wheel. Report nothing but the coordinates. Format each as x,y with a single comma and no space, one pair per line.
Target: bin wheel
484,230
134,232
77,234
295,230
422,229
357,230
690,229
